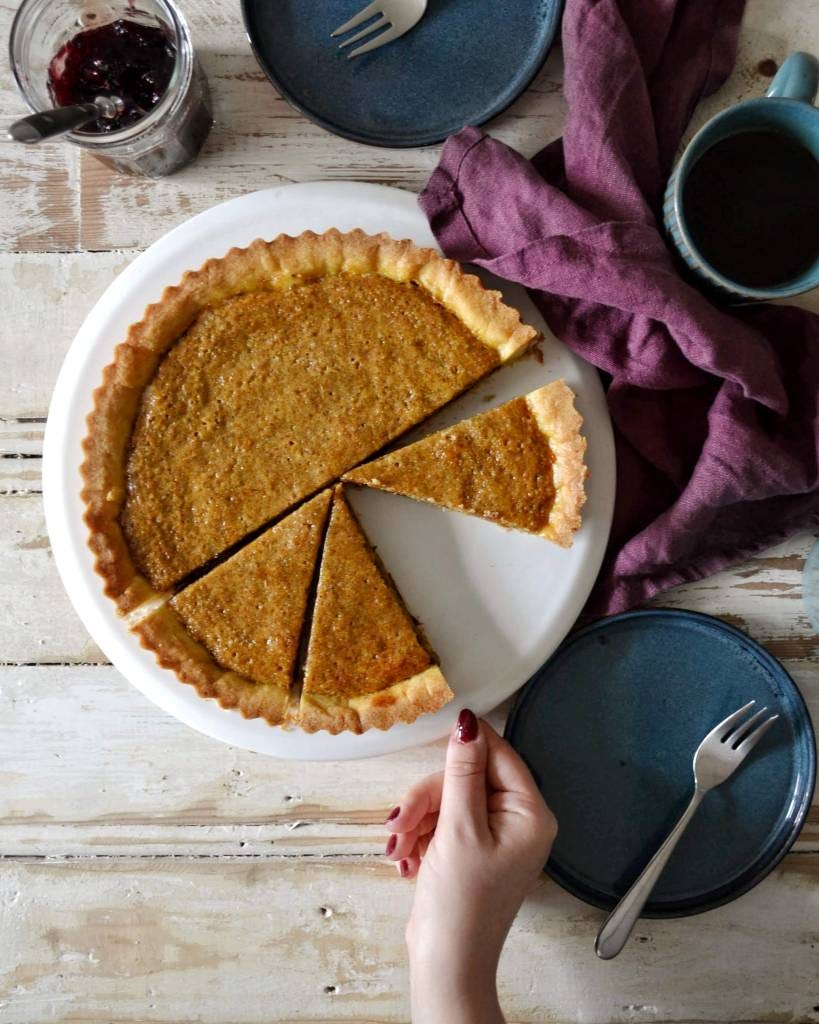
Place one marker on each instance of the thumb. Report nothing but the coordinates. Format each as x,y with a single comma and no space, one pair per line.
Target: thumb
463,800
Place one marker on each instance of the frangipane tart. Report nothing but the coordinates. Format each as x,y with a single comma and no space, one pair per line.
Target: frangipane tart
368,662
261,378
519,465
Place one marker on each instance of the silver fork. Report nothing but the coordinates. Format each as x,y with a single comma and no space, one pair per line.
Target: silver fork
718,756
395,16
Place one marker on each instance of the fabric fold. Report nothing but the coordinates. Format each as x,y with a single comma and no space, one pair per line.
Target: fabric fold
714,408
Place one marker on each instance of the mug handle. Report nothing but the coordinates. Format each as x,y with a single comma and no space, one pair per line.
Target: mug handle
797,79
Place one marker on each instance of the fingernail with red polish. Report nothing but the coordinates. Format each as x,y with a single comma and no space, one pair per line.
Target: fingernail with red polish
392,815
403,868
466,731
391,844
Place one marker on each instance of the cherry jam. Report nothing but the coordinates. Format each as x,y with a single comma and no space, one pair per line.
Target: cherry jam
123,58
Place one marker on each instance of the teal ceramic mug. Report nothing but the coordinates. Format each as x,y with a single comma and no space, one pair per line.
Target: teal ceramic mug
786,109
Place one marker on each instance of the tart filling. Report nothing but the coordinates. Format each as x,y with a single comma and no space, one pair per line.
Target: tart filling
368,663
234,634
262,377
519,465
251,385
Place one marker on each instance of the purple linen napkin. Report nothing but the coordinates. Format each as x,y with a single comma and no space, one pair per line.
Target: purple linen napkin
715,410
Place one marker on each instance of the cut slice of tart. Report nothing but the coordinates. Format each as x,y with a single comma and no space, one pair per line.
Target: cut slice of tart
519,465
234,634
260,379
368,664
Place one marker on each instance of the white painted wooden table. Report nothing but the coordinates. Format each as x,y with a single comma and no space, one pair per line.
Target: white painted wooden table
150,874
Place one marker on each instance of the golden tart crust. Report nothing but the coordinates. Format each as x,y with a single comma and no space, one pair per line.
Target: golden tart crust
157,505
519,465
368,664
234,634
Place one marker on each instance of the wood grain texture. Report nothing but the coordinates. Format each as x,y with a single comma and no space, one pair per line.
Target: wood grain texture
133,779
123,762
37,619
46,297
39,625
148,873
265,940
259,141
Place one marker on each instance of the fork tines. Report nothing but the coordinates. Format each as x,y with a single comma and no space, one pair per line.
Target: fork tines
373,10
739,732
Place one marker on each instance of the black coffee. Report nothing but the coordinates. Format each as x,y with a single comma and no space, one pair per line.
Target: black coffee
751,205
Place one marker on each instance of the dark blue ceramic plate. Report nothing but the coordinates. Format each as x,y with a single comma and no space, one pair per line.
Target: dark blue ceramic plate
609,727
464,62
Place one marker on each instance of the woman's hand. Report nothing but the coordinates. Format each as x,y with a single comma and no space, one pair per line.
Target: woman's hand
477,836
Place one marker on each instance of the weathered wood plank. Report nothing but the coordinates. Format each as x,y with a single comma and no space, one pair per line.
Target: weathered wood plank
21,446
39,184
762,596
46,298
322,940
21,438
66,200
298,837
259,141
20,474
37,621
38,624
40,187
134,780
124,764
297,921
263,141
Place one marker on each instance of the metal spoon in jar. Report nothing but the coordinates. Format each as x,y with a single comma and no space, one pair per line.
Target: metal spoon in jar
49,123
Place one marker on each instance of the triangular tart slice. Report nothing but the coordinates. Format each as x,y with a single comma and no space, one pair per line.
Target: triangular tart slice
520,465
368,664
234,634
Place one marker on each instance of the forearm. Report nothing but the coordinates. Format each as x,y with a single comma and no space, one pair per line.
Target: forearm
443,996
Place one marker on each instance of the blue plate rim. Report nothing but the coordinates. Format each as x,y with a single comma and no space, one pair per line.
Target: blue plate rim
765,864
407,142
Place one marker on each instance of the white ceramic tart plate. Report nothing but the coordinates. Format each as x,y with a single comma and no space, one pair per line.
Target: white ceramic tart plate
495,604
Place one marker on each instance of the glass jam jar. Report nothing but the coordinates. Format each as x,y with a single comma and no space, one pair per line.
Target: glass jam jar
58,47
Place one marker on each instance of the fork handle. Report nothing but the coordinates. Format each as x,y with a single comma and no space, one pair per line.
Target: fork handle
618,925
